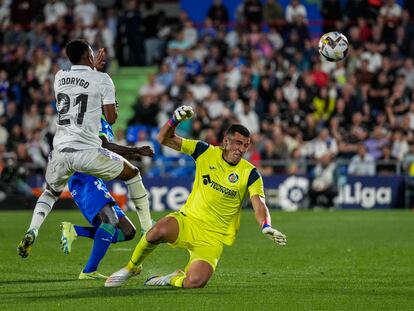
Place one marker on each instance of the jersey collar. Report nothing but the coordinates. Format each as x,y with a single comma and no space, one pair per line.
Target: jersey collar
228,164
80,67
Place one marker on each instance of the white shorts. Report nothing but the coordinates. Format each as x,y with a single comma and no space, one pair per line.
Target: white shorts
101,163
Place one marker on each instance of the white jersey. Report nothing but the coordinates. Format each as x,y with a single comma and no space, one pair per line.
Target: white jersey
80,94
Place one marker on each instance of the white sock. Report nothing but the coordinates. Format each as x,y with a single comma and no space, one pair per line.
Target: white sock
139,196
43,207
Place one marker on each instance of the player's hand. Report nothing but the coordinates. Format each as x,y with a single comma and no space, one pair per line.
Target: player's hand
183,113
100,59
145,151
276,236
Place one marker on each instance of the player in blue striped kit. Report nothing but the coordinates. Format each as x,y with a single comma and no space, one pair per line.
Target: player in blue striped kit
99,208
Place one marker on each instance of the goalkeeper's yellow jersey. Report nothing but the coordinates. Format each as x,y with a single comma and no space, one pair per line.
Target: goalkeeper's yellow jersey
219,190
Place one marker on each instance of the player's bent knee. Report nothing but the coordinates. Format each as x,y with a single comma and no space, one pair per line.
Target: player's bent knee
129,233
130,171
127,228
155,234
108,215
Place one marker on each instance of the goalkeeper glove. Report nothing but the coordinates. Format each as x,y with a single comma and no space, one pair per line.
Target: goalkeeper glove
276,236
181,114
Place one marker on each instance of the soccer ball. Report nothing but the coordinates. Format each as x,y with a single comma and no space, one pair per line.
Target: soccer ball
333,46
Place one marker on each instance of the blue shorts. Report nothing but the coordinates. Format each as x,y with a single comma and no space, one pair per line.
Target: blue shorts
91,195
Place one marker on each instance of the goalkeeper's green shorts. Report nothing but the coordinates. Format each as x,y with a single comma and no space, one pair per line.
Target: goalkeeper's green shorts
200,244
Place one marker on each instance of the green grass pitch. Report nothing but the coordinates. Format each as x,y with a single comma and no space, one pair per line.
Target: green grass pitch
343,260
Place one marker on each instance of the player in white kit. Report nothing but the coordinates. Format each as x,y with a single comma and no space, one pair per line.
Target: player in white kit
82,95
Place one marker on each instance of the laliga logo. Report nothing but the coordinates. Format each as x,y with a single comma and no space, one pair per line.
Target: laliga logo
367,197
292,191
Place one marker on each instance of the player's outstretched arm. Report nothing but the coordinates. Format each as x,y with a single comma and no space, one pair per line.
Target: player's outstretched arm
128,151
263,218
167,136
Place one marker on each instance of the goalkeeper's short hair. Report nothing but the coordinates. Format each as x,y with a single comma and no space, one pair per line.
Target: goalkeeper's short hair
238,128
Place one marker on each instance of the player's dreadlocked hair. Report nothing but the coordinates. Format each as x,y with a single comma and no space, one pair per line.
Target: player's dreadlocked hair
75,50
239,129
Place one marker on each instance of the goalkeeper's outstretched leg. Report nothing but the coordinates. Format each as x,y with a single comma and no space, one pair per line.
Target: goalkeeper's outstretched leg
178,230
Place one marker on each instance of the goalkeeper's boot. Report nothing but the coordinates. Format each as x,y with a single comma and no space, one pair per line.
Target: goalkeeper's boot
25,246
95,275
118,278
163,280
68,236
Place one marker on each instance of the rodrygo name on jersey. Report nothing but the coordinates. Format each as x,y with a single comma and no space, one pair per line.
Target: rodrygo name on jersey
73,81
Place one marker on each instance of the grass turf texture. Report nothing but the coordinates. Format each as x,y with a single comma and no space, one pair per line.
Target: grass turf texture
344,260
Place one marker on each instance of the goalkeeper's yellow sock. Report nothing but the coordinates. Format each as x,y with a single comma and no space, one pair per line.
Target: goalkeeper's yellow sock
142,250
178,280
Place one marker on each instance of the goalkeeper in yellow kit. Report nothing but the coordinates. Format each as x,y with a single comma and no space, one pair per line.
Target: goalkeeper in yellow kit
211,215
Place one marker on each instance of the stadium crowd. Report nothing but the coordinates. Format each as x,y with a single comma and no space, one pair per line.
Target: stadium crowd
262,70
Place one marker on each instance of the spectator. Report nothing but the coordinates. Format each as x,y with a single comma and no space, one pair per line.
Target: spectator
31,119
355,9
248,117
87,12
165,77
320,77
408,72
144,163
323,187
208,32
193,66
387,163
179,45
130,31
200,89
408,162
152,23
398,105
266,155
295,9
145,111
391,11
218,13
365,31
190,34
42,65
376,142
378,93
290,91
152,88
324,105
373,56
331,11
178,88
38,149
220,86
4,14
273,13
324,144
400,145
23,163
293,116
310,129
213,105
22,12
53,11
4,135
253,12
362,164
